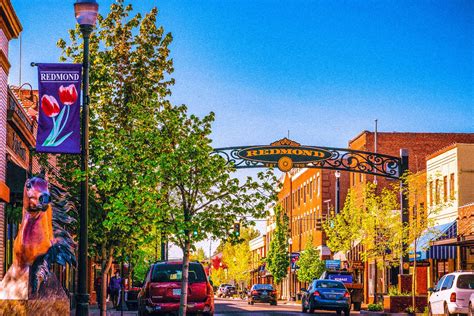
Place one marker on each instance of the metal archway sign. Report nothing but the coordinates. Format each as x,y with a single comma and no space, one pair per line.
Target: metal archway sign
286,154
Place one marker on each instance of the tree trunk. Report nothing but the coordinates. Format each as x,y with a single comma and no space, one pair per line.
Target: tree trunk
184,283
375,281
413,283
105,273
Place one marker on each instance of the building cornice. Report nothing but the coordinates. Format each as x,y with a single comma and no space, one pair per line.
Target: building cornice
9,22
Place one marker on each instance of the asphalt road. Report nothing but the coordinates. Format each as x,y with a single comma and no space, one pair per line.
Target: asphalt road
236,307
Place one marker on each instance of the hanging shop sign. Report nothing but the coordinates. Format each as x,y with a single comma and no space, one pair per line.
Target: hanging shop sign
284,154
59,111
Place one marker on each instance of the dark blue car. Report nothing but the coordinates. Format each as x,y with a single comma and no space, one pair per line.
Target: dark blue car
326,295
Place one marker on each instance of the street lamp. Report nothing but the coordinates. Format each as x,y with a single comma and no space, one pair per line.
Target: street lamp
86,12
338,175
290,243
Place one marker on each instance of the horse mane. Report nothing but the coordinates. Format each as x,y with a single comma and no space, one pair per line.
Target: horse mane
63,222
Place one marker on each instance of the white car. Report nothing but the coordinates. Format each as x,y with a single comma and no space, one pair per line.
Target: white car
452,293
220,290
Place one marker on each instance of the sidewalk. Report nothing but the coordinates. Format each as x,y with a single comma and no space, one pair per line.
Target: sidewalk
94,311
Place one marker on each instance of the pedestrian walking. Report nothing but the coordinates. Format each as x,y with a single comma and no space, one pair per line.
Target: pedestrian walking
98,290
115,286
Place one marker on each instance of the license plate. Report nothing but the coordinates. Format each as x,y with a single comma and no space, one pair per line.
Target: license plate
176,292
331,296
264,293
157,308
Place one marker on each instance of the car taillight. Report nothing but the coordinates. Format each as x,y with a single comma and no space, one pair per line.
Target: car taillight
316,293
452,298
274,292
209,289
254,293
347,295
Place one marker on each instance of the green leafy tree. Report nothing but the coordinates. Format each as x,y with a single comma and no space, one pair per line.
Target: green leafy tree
199,196
310,265
198,255
129,80
237,256
278,258
343,230
422,219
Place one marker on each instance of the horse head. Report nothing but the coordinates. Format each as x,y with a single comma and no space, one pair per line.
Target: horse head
36,196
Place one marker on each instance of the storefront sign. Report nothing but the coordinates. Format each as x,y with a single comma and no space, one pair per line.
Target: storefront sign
295,256
284,155
357,265
59,110
333,264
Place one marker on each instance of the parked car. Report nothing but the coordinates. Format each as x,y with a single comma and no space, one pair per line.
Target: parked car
451,294
220,290
229,291
355,289
326,295
262,293
162,289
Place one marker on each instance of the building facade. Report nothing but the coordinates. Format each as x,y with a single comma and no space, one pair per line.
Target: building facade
10,28
419,146
308,197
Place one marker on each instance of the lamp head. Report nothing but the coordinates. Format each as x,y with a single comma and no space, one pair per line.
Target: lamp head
86,12
337,174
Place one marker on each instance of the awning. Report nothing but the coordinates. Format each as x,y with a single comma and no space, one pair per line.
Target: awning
340,255
426,249
323,251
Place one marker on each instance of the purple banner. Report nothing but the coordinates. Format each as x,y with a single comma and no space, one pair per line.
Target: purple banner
59,128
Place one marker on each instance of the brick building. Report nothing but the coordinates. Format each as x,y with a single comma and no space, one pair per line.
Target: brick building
10,28
419,147
307,197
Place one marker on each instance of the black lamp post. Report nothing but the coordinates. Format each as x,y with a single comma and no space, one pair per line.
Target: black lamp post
338,175
86,12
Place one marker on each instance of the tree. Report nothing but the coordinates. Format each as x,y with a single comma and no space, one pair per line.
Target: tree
343,230
128,82
373,219
310,265
198,196
237,256
422,219
278,258
197,255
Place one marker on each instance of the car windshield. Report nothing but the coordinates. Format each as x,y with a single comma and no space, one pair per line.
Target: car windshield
465,281
173,273
330,285
263,287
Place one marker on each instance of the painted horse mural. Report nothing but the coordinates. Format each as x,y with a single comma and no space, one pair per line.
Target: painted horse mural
42,241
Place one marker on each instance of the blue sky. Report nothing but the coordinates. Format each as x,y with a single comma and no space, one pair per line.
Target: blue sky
325,70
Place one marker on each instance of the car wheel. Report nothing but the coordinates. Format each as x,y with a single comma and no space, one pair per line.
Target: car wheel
446,310
338,312
347,312
273,303
252,302
430,313
470,310
248,302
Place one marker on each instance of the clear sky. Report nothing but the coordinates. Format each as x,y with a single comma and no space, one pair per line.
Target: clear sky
325,70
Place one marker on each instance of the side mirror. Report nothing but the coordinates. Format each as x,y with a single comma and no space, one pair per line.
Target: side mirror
431,290
303,290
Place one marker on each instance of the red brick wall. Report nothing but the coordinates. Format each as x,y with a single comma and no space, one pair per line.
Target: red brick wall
419,146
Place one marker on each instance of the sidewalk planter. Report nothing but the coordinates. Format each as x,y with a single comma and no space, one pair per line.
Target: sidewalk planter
398,304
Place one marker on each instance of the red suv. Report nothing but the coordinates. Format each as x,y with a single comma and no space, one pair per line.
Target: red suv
161,290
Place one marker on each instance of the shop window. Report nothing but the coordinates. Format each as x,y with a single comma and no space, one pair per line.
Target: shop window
430,188
318,186
437,197
445,188
451,186
311,190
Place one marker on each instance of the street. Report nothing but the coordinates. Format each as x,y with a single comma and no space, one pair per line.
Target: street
240,307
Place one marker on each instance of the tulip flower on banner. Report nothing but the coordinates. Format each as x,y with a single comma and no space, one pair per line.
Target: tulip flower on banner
49,105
